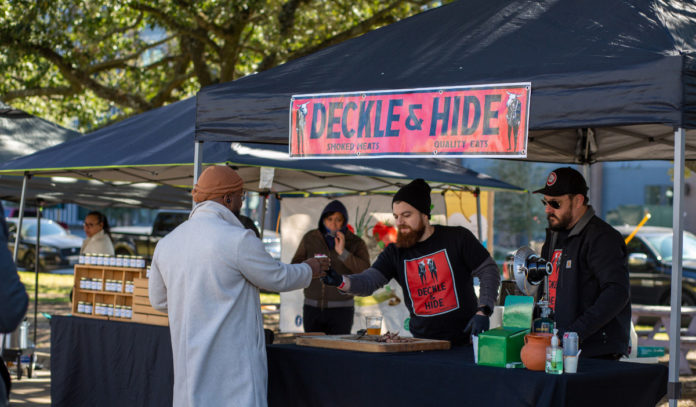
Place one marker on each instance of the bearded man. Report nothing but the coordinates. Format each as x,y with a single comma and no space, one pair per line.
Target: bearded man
589,287
443,308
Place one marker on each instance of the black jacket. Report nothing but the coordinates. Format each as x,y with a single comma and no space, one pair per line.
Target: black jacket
593,291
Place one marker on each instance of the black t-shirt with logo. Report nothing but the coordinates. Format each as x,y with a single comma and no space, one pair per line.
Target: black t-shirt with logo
436,279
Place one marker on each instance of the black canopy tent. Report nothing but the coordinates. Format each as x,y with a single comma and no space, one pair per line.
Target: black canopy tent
22,134
155,148
150,153
611,80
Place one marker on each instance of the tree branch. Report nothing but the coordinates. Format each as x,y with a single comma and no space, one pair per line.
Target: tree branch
78,78
121,30
29,92
380,18
122,62
286,19
165,91
174,25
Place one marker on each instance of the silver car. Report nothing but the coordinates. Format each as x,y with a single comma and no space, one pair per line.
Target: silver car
59,248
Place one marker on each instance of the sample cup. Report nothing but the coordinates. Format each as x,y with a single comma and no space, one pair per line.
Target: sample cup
373,323
570,364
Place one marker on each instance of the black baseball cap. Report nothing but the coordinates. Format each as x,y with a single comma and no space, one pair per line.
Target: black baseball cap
562,181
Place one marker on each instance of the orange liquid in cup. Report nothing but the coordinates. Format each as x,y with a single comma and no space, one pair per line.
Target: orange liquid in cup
373,331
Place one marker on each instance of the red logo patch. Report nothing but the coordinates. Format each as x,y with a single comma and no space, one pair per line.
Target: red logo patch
430,284
551,179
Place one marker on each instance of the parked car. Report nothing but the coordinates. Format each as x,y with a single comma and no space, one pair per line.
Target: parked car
59,248
141,240
650,265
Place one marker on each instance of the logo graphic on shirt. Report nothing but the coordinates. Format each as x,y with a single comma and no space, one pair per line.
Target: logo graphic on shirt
430,284
553,278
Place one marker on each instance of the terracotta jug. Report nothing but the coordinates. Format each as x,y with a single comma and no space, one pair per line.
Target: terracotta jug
533,352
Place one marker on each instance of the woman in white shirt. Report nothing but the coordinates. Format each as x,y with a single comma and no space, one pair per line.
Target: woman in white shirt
98,233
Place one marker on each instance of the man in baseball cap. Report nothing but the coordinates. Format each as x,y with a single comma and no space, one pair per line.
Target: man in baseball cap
589,288
565,188
436,265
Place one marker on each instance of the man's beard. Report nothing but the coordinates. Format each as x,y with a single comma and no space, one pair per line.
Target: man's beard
409,237
562,223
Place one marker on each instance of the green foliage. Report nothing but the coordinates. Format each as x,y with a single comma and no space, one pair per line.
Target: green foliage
362,221
92,60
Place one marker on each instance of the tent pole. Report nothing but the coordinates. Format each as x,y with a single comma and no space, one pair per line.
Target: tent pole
673,385
37,263
197,159
21,216
263,196
477,194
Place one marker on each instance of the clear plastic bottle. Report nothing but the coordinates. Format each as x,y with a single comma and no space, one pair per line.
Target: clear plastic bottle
554,356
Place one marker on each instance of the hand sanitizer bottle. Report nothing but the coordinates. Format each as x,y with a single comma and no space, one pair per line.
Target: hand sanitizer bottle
554,356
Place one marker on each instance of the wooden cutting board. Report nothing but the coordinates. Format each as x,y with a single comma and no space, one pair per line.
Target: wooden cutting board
368,343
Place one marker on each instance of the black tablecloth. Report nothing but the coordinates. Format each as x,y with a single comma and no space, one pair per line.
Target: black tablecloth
108,363
304,376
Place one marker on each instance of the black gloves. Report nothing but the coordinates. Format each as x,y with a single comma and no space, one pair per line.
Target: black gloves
477,324
332,278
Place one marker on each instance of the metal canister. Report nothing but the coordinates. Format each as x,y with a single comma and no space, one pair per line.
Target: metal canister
570,344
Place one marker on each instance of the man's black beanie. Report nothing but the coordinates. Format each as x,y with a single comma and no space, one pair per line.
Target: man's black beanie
416,194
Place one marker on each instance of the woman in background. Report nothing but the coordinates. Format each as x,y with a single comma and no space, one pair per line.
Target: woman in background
325,308
98,233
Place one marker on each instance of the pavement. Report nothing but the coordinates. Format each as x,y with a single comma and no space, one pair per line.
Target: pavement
32,392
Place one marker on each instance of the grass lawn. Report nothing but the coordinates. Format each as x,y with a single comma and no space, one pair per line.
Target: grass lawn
53,288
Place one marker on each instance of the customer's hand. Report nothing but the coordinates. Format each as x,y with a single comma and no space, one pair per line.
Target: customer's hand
477,324
318,265
332,278
340,240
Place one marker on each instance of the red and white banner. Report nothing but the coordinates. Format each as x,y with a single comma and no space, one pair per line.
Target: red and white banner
462,121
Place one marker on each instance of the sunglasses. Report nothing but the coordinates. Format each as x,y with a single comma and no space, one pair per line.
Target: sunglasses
552,203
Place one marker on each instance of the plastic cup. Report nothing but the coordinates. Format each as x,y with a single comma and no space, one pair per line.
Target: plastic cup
373,323
570,364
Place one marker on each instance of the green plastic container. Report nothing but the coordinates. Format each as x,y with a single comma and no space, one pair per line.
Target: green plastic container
500,346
